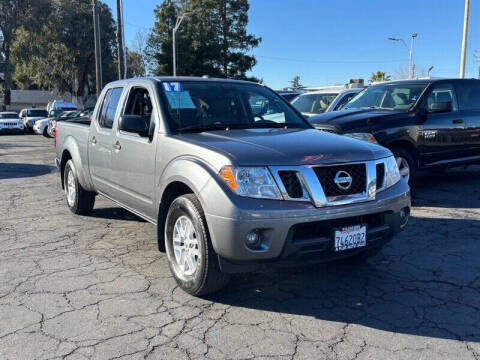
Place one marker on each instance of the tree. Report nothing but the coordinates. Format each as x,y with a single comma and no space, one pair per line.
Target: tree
212,39
135,67
139,45
58,51
379,76
296,83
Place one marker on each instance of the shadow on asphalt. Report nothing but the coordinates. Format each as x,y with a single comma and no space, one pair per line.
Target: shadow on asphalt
425,283
453,188
115,213
18,170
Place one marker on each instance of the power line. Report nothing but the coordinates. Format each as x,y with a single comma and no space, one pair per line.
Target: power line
331,61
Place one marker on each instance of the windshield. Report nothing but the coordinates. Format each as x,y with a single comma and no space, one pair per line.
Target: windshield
37,113
207,105
313,103
9,116
387,96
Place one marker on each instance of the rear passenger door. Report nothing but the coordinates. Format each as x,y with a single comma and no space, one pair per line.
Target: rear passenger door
100,141
133,157
469,103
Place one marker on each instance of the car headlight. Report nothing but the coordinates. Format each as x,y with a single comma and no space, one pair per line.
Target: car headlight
255,182
363,136
392,174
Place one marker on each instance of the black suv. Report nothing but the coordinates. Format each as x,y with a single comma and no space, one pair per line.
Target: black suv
431,123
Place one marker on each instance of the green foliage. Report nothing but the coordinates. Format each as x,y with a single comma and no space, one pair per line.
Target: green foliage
296,85
56,46
379,76
212,39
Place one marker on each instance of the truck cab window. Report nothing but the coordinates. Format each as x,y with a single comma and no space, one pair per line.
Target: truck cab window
109,107
140,103
442,93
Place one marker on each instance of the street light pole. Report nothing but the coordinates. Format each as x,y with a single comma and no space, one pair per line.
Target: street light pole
174,32
410,53
464,39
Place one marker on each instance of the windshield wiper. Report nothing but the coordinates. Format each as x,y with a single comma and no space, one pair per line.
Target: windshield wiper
255,125
200,128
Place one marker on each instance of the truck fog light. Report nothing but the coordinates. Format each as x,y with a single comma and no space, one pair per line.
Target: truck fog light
404,216
253,239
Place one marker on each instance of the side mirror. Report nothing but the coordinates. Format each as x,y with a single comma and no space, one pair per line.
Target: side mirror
133,124
440,107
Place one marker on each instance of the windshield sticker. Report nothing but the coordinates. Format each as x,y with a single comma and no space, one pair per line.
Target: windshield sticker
180,100
172,86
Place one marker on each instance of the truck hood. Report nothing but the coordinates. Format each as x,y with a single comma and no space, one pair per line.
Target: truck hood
255,147
349,116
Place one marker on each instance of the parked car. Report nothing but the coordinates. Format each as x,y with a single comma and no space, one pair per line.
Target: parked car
52,122
317,102
42,126
29,116
10,122
290,95
230,188
425,123
60,105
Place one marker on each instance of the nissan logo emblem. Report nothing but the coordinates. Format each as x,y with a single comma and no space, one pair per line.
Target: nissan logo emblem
343,180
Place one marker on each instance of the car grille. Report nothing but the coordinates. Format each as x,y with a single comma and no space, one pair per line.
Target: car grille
292,184
380,175
326,176
10,124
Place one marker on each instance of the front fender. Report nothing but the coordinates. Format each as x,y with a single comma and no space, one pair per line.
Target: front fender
80,163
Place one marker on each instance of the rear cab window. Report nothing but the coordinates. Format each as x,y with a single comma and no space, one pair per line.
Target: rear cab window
108,110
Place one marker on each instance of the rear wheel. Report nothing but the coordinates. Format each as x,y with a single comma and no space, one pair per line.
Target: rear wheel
79,200
191,257
45,132
406,164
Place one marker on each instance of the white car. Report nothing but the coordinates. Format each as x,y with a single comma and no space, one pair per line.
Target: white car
10,122
29,117
40,127
317,102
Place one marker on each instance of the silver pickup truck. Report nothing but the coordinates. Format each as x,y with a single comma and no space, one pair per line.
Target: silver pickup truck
232,175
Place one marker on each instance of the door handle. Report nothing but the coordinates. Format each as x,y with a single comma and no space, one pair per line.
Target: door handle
457,121
117,146
94,141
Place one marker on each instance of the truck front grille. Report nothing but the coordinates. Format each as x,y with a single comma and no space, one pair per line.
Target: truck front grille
380,175
292,184
326,175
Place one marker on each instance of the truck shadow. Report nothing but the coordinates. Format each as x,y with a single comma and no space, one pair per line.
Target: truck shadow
22,170
452,188
115,213
426,283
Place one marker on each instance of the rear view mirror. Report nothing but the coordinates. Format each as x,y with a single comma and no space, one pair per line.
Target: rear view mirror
440,107
133,124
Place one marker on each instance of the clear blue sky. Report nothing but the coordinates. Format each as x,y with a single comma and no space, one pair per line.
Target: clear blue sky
330,41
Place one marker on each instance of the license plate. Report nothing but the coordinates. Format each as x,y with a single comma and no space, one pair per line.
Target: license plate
350,237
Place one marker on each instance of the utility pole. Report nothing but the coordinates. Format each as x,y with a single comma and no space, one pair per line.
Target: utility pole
464,39
121,57
98,50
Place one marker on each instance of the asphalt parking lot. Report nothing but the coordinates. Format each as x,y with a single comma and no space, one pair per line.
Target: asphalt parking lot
97,288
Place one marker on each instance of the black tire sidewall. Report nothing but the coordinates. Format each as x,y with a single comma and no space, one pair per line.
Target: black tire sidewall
182,206
69,167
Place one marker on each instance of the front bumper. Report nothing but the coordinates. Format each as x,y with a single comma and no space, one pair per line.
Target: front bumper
12,129
302,231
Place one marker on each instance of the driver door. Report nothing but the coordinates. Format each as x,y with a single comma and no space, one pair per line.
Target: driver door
441,136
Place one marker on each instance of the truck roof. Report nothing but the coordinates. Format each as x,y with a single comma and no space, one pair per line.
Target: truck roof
180,78
422,81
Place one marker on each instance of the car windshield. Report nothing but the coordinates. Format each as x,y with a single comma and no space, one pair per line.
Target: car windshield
37,113
9,116
313,103
387,96
196,106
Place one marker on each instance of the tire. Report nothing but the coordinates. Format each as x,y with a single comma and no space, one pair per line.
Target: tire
405,157
82,201
204,277
45,132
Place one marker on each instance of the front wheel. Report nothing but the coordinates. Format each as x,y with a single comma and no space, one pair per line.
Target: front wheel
79,200
406,164
191,257
45,132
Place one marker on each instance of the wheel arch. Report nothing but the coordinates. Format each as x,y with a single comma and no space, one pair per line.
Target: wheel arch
408,146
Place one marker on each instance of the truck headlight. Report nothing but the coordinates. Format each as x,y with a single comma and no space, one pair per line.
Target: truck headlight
255,182
363,136
392,174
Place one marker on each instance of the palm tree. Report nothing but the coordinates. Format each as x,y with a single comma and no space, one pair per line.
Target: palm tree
379,76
